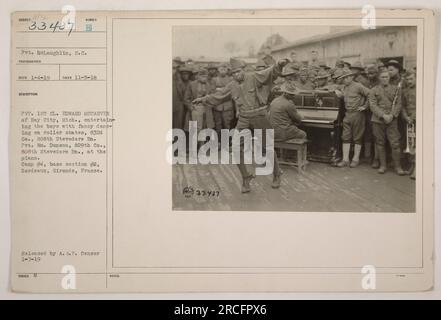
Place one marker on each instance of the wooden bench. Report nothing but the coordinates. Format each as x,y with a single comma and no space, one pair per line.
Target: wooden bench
300,146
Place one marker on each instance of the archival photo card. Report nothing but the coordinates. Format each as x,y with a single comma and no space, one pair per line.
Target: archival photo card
222,151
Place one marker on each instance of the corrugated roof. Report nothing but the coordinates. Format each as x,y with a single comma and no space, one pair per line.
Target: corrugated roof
322,37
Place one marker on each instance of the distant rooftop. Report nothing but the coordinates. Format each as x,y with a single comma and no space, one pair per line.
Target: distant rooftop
322,37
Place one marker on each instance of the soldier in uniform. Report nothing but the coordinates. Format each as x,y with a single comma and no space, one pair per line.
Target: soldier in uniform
358,69
346,65
303,82
267,57
284,116
409,110
356,102
181,80
293,59
314,63
252,108
212,71
339,64
321,81
289,74
260,65
394,68
223,113
200,112
372,81
385,104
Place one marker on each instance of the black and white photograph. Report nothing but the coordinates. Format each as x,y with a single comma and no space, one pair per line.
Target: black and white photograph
337,102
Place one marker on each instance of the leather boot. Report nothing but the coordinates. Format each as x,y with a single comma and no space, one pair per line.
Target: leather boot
345,161
356,158
382,159
376,161
276,181
367,150
396,157
246,183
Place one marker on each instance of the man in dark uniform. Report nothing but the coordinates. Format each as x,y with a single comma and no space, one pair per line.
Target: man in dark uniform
267,57
223,113
409,111
260,65
252,107
359,76
321,81
289,74
284,116
303,82
395,69
314,63
200,112
293,59
385,104
372,81
356,102
212,71
181,80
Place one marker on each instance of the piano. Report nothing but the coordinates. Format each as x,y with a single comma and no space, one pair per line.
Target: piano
323,113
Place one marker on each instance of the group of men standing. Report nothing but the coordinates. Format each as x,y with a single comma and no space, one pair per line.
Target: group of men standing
376,99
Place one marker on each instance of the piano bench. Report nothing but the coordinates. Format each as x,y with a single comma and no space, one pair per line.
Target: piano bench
300,146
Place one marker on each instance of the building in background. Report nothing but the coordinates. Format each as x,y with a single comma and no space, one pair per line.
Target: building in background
356,44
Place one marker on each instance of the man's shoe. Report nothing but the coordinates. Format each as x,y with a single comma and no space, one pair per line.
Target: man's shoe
342,164
276,182
376,164
382,170
354,164
246,183
400,171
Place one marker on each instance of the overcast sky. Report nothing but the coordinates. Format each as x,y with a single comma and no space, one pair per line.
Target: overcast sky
209,41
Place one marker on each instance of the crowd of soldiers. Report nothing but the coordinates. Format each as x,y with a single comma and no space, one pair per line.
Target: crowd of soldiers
379,101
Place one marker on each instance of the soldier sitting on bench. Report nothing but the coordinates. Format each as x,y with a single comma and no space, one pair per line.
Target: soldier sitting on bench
284,116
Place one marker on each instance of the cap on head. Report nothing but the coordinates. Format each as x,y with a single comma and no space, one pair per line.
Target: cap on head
212,66
202,72
339,64
289,88
178,60
237,65
337,73
304,71
289,70
322,75
224,65
394,63
357,66
186,68
345,74
260,64
371,67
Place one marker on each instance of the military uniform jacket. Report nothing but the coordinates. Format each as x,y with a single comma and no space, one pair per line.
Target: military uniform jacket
283,113
409,102
355,96
195,90
179,88
308,85
380,102
219,84
251,95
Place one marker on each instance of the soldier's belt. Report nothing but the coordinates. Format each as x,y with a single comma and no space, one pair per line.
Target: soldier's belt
253,111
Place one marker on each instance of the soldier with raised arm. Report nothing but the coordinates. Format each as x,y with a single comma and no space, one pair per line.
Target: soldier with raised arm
252,105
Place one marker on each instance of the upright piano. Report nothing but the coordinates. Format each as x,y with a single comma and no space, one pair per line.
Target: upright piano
323,113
